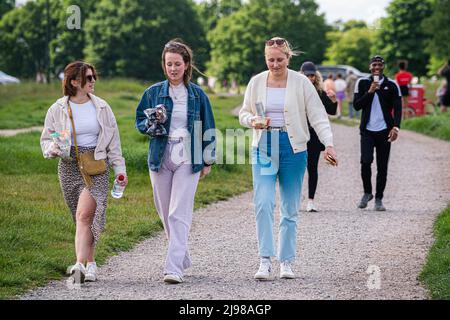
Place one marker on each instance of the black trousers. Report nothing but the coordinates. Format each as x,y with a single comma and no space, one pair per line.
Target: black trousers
369,141
315,147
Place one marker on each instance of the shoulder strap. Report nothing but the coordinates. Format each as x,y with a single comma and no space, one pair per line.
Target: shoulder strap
74,131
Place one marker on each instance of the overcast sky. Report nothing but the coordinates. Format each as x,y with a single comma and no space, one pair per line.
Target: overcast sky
367,10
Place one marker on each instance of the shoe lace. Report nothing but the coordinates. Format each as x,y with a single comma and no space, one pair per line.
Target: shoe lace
286,266
265,266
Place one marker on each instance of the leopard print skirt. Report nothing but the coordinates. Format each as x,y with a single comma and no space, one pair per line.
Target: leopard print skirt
72,185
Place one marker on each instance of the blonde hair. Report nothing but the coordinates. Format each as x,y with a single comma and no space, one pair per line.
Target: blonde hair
286,48
318,81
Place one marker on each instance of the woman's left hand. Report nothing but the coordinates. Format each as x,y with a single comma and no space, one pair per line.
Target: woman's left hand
205,171
125,181
329,151
332,95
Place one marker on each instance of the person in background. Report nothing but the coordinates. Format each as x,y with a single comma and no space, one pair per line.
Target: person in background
96,131
287,99
403,79
379,98
440,92
315,147
328,84
445,72
178,158
340,86
349,93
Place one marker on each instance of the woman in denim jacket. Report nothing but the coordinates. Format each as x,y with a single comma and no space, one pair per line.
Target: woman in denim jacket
181,150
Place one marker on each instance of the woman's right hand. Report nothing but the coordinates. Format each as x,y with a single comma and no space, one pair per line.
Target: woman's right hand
124,182
332,95
258,123
54,150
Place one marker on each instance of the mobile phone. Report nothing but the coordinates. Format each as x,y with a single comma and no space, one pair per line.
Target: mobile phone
331,160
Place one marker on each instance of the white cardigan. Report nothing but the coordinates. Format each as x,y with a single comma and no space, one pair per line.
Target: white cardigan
302,102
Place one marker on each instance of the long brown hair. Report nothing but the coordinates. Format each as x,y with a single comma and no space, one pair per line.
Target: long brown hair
177,46
75,71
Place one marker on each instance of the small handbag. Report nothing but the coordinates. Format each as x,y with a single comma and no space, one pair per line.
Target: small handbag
86,161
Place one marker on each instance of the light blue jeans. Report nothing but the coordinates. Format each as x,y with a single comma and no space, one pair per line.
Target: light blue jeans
272,159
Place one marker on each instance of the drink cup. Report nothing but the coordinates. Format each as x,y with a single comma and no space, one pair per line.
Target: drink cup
262,121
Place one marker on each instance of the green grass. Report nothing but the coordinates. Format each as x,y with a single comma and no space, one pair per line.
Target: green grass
437,126
36,228
436,273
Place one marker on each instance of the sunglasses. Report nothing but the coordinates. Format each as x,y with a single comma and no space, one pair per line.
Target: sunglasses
311,75
278,42
91,78
173,45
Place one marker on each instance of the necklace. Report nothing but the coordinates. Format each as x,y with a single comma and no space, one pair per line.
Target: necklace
176,97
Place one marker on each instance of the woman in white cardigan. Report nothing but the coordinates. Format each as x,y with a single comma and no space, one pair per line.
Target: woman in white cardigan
279,149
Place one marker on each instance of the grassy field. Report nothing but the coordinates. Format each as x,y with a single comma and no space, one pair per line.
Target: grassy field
436,273
36,228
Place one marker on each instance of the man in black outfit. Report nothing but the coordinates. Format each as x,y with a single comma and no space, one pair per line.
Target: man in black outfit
377,96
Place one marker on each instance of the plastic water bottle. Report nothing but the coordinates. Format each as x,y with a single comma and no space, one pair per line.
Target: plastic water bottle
117,190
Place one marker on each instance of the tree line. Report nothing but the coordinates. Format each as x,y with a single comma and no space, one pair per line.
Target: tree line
125,37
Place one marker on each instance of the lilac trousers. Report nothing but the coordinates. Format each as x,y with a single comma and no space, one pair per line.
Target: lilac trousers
174,187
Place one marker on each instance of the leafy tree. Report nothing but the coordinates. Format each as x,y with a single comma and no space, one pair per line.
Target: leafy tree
23,40
238,40
402,37
126,37
353,24
210,12
351,47
69,42
340,25
5,6
438,27
213,10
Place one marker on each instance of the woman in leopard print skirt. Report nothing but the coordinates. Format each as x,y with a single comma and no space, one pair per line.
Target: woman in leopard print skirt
96,130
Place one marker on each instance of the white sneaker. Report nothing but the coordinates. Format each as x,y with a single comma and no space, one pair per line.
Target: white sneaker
78,273
265,271
91,272
286,271
173,279
310,207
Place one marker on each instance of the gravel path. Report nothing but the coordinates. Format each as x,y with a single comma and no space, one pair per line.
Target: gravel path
13,132
337,247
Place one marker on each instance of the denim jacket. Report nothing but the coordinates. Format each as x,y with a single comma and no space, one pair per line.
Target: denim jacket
200,121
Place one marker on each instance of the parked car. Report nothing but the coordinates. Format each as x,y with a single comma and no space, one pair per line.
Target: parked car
325,70
5,78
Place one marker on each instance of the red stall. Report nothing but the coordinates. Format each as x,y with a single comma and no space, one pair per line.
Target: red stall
416,99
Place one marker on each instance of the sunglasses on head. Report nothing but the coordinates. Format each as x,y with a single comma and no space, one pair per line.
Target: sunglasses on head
278,42
169,45
91,78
